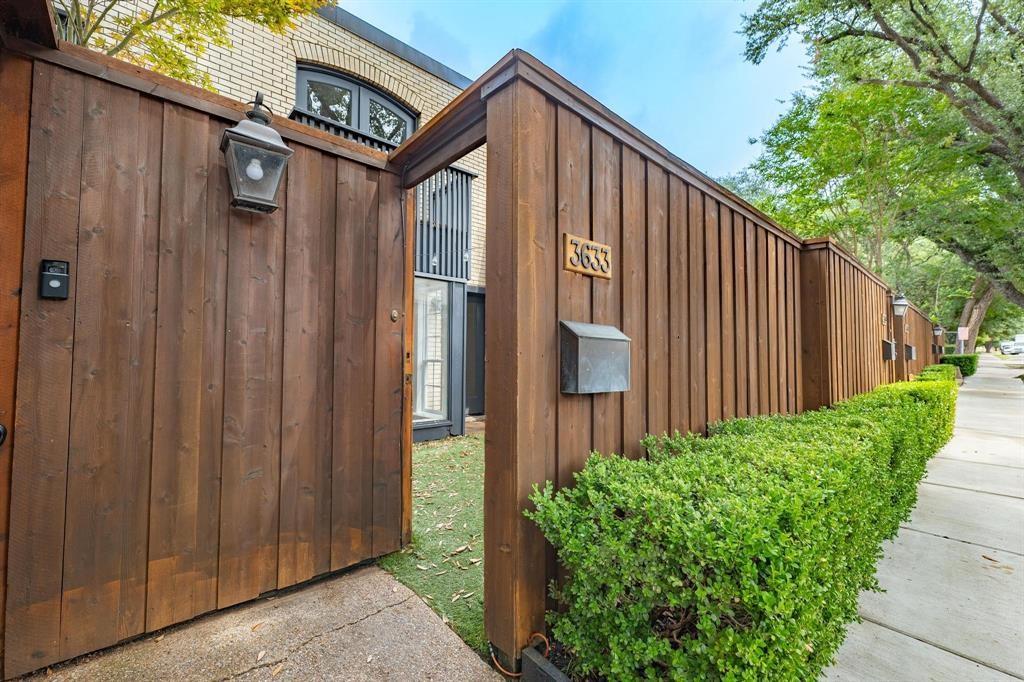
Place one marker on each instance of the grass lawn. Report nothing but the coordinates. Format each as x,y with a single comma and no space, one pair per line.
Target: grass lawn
445,562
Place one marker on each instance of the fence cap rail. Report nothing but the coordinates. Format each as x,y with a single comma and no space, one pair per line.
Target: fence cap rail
91,63
829,243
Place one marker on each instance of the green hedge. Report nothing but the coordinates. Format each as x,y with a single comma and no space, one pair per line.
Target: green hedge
968,364
740,555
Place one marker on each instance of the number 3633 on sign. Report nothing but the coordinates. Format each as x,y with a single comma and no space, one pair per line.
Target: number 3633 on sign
586,257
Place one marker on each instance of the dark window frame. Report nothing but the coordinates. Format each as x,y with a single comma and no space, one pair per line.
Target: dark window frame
362,94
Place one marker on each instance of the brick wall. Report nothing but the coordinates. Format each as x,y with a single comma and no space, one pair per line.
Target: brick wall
262,60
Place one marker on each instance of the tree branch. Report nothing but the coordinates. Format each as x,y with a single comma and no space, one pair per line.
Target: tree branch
134,31
977,35
983,266
1001,20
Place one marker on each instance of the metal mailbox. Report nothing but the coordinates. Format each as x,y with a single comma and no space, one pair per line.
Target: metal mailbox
888,350
911,352
594,358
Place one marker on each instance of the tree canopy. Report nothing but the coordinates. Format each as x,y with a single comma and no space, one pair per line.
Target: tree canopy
168,35
913,136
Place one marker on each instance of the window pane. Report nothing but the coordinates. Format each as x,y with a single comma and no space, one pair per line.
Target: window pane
386,123
330,101
430,354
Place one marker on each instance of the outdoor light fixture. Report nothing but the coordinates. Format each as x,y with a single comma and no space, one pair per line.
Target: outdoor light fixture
256,157
937,330
900,305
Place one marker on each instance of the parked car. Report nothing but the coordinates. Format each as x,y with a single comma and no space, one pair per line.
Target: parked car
1006,347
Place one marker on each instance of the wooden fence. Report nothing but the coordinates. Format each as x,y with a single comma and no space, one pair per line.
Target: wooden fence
217,409
221,407
846,317
728,314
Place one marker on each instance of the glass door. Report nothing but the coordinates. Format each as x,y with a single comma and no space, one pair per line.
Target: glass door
431,356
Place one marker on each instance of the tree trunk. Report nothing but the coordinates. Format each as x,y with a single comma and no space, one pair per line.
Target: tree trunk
975,309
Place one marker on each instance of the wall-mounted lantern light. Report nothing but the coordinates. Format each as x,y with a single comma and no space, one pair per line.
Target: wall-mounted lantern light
938,330
900,305
256,157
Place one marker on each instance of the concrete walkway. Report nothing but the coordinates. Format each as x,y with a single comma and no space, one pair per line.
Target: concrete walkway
954,577
362,625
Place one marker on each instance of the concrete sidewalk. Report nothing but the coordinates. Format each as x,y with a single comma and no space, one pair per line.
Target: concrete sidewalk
361,625
953,608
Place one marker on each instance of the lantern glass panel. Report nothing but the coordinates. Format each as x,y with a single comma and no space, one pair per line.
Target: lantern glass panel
255,172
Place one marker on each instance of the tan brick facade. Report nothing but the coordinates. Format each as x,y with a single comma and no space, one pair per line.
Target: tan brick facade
262,60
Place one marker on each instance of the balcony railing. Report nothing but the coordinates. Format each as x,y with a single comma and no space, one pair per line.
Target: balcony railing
443,207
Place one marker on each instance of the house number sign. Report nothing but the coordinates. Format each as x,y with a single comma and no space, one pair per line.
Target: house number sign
586,257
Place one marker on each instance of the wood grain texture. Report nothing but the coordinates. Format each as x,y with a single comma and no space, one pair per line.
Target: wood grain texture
107,483
43,408
308,373
520,438
679,307
634,293
572,182
607,294
354,332
698,368
252,407
388,371
658,301
713,311
179,446
743,326
175,519
727,285
15,106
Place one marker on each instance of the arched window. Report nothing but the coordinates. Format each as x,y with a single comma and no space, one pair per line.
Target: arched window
352,104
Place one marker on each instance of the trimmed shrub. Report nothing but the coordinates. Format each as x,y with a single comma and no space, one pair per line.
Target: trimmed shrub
740,555
968,364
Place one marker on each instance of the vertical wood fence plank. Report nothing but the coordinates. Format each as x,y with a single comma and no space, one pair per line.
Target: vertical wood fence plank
252,407
728,346
39,472
211,409
177,400
520,437
772,285
387,400
15,104
634,309
324,448
791,332
607,294
658,295
713,307
698,330
764,367
574,290
679,306
301,375
106,477
743,327
355,307
794,327
753,342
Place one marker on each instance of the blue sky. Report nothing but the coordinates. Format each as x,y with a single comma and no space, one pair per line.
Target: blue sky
673,69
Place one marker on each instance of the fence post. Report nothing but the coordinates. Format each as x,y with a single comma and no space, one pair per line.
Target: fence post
521,371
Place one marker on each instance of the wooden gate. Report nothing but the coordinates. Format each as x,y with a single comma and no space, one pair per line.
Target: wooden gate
216,410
